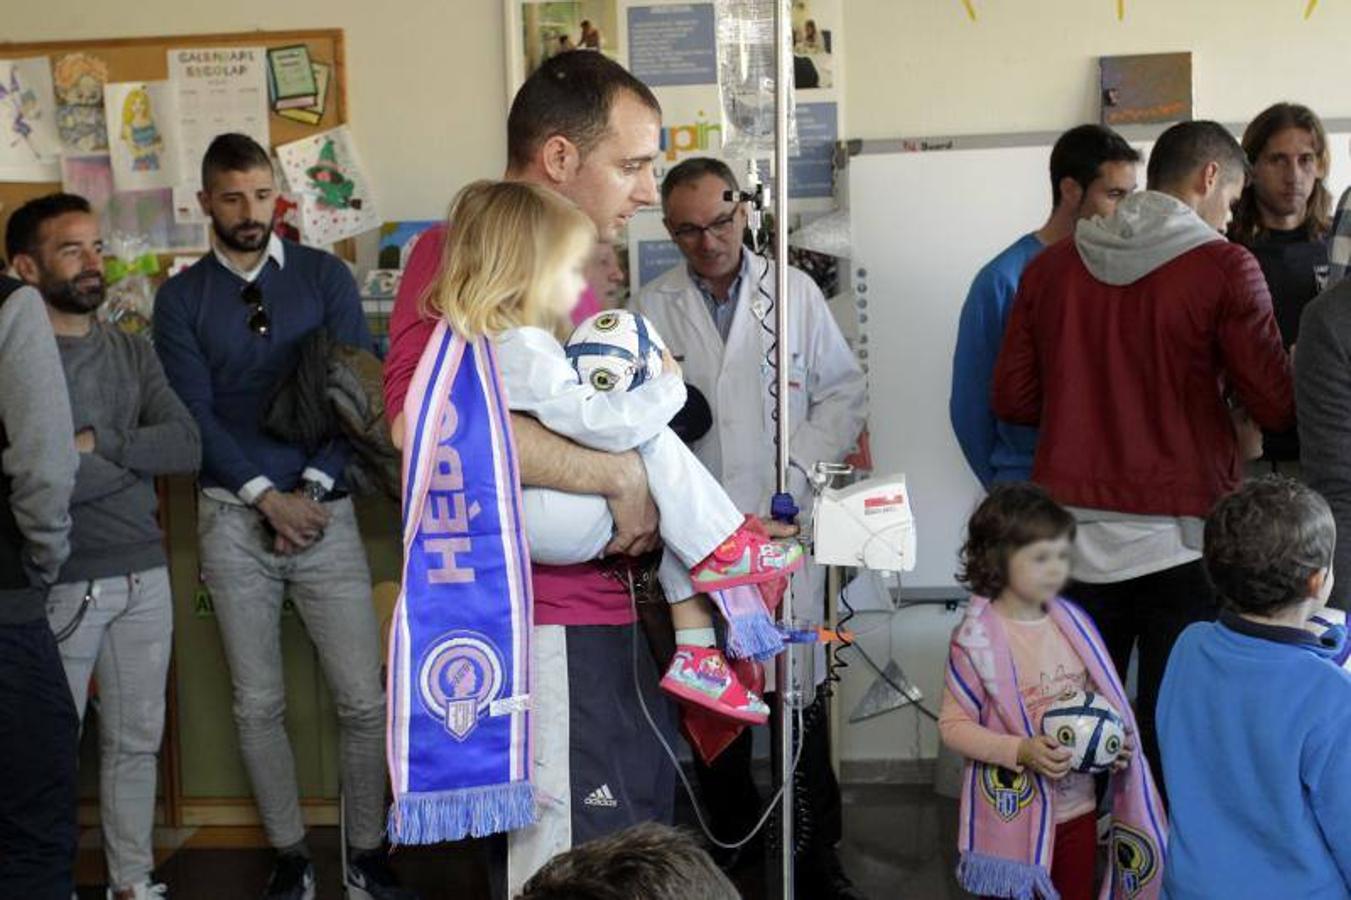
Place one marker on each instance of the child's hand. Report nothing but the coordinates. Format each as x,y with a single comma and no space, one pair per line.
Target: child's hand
1127,754
1043,755
669,364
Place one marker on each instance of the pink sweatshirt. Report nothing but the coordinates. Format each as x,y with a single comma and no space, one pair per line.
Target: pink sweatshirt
1047,667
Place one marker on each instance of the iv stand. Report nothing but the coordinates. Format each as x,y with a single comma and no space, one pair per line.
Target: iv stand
784,675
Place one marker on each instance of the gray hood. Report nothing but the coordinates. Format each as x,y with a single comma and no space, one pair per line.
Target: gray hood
1149,230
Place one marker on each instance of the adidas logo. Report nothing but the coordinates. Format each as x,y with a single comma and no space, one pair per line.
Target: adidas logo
601,796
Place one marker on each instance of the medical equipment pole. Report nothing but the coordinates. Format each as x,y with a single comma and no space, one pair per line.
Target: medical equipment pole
784,672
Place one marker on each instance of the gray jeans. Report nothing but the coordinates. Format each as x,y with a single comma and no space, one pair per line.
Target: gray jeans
330,585
123,637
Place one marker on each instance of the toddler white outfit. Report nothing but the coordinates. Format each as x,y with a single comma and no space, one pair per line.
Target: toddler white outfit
564,529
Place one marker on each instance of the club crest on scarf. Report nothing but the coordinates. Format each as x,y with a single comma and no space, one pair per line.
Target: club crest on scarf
1007,791
459,678
1135,858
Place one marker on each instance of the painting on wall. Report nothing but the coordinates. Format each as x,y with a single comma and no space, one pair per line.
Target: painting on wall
28,143
142,134
78,80
1146,89
325,171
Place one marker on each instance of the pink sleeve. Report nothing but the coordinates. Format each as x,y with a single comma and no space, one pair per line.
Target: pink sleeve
586,307
409,330
967,737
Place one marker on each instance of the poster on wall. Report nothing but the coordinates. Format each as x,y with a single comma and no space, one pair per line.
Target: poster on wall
90,177
28,136
325,171
1145,89
78,80
217,90
671,46
544,28
142,118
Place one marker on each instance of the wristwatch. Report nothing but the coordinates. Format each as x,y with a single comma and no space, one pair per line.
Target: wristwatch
313,490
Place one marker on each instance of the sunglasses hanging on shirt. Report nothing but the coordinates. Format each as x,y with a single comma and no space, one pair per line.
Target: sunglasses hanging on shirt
258,321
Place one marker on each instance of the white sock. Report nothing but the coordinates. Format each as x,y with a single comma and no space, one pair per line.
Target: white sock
696,637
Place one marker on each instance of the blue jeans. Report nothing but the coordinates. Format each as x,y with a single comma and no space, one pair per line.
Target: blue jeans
39,740
330,585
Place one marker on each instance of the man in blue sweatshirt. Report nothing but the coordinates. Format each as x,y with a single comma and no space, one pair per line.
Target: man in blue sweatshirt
1254,715
1092,167
273,518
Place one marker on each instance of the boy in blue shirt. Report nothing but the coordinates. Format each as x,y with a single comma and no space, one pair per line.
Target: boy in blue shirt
1092,167
1254,717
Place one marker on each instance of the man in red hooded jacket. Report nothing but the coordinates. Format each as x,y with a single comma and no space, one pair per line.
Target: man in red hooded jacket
1126,345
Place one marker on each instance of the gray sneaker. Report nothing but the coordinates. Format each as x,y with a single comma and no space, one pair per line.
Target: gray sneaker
292,879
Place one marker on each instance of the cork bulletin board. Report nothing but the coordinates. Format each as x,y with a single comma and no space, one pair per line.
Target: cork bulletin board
146,59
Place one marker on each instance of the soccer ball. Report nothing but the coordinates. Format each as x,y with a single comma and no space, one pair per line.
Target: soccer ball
615,350
1085,724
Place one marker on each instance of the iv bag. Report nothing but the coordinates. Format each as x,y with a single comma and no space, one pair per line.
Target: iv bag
746,77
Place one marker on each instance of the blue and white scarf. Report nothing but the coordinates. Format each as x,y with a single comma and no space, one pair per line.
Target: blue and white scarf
459,667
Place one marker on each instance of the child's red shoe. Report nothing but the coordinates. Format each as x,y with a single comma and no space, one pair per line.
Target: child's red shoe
747,557
701,676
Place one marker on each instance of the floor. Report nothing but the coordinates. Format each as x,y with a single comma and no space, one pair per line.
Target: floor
898,845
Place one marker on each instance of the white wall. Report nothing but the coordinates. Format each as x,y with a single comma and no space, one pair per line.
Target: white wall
921,67
427,94
427,101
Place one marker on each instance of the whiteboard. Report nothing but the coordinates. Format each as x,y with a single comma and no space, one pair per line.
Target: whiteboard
923,224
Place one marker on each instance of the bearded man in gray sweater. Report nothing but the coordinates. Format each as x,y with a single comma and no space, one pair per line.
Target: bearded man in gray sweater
111,609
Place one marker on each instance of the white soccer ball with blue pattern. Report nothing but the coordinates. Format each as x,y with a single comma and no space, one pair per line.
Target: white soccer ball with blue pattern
1084,723
615,350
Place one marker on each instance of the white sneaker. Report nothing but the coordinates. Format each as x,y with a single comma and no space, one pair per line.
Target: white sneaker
146,891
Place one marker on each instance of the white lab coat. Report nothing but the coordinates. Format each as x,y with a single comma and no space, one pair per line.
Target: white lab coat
827,397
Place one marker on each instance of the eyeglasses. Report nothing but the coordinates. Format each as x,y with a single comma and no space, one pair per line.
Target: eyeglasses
259,322
720,227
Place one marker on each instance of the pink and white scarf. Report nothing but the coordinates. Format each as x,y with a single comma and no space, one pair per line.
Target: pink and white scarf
1007,823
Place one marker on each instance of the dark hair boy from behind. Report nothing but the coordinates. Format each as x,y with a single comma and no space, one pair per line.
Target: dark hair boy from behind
1254,714
645,862
1266,542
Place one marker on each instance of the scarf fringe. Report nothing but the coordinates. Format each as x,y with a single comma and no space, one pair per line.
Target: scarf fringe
994,876
430,818
753,636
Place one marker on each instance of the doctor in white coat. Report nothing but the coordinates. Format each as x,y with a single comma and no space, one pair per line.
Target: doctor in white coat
716,314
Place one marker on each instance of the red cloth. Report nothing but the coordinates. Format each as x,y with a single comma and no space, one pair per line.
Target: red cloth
409,330
564,595
580,595
1125,381
1074,860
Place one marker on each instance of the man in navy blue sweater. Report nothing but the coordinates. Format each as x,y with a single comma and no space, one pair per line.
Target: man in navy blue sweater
1092,168
274,519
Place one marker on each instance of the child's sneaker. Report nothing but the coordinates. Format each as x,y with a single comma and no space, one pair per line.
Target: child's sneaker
747,557
701,675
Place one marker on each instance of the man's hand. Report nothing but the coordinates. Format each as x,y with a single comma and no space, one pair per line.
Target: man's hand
84,440
631,506
1043,755
297,520
396,431
669,364
776,529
